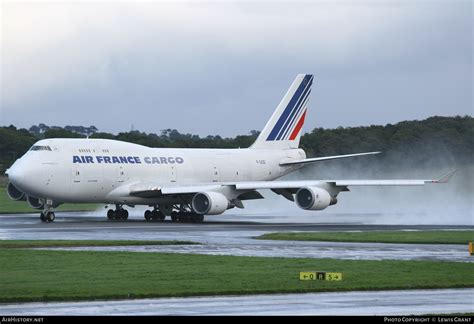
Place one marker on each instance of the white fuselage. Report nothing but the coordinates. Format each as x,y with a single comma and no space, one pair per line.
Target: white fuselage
92,170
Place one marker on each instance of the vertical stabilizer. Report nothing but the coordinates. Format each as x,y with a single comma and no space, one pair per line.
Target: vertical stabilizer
283,130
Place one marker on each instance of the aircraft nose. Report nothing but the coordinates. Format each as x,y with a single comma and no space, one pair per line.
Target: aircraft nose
15,174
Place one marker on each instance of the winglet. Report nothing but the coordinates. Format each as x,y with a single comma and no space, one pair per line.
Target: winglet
446,177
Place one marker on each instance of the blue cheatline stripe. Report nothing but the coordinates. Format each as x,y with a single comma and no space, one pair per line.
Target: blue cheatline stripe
284,129
287,124
295,114
288,108
303,107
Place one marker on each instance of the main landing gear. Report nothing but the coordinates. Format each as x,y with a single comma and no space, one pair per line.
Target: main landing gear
186,217
118,214
179,213
183,213
154,215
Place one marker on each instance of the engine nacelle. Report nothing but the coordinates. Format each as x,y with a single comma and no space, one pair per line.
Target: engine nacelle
210,203
14,193
34,202
313,198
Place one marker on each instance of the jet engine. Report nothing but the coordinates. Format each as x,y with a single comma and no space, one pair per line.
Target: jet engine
34,202
314,198
14,193
210,203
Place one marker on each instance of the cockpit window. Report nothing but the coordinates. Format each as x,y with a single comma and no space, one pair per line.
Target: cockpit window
40,148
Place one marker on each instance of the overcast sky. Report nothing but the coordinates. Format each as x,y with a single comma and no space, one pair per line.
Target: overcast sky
222,67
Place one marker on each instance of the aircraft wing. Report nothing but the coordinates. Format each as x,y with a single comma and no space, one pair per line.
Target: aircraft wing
296,184
151,190
338,183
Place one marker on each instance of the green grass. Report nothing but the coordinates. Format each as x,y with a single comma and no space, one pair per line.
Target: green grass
8,206
9,244
417,237
40,275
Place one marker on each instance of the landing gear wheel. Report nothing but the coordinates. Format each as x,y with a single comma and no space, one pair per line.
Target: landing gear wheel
197,218
174,217
50,217
47,217
157,215
148,215
161,217
123,214
117,214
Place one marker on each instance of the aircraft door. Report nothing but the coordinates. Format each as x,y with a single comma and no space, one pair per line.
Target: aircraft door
121,174
173,173
215,174
76,175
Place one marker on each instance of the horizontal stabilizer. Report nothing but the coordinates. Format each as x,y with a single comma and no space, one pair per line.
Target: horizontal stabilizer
326,158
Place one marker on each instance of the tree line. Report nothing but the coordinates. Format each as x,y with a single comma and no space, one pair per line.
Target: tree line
414,140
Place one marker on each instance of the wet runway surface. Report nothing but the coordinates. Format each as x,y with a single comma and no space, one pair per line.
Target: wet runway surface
398,302
231,238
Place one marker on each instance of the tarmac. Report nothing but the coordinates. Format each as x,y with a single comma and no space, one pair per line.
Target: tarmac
237,237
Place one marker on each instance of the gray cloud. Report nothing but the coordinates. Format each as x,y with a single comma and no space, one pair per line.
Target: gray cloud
221,68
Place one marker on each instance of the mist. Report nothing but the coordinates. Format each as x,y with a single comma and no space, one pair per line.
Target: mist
450,203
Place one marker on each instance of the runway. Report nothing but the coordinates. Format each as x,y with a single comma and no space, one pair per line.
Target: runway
236,237
230,238
397,302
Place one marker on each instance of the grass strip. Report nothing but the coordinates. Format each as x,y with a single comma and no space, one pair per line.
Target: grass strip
42,275
415,237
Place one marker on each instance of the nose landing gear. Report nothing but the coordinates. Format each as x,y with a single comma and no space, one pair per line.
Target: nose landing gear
47,215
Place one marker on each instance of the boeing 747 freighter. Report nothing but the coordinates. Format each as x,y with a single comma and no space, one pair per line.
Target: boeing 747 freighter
185,184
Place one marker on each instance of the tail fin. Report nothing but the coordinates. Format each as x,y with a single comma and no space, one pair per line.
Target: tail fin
283,130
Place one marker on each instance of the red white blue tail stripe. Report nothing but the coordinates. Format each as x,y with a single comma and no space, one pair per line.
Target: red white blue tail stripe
291,121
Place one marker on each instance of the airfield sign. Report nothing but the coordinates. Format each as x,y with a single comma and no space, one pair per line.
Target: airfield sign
320,275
